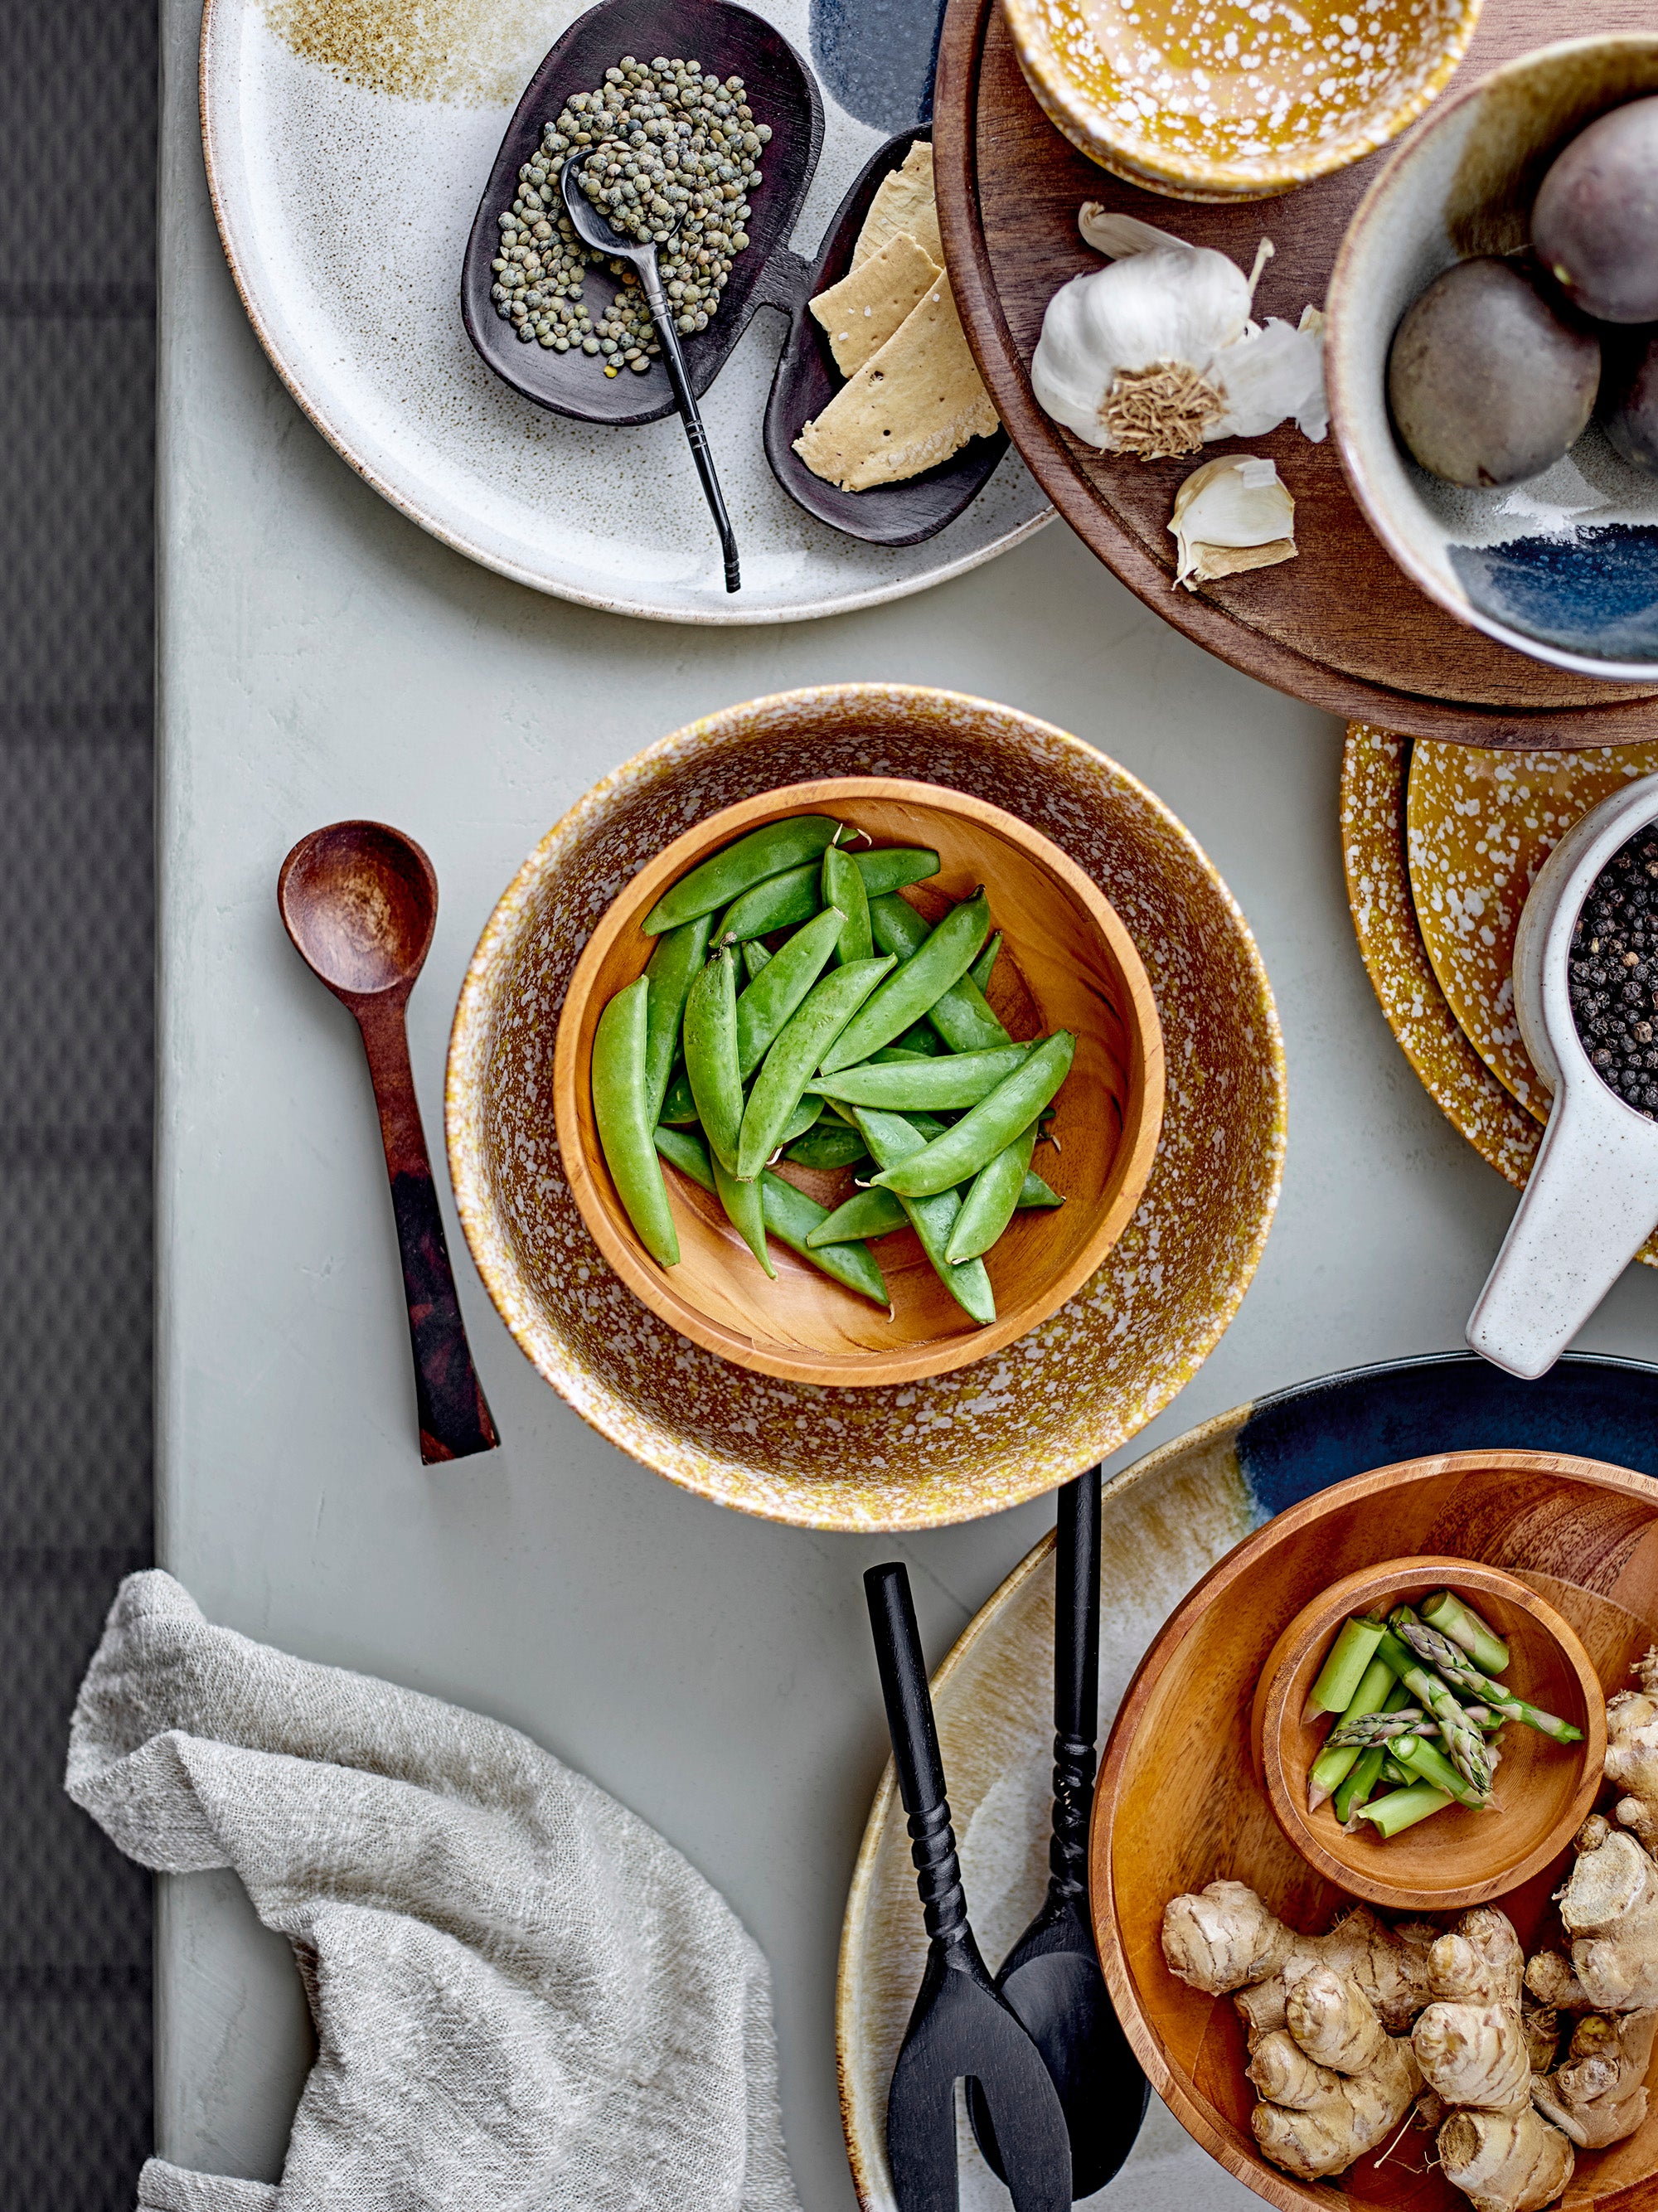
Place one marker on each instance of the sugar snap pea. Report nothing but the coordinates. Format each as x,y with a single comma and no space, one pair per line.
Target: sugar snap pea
795,895
914,988
711,1054
866,1213
893,1138
989,1205
673,968
779,989
989,1126
618,1079
979,973
843,887
806,1115
764,852
678,1107
922,1038
961,1018
801,1042
745,1209
888,866
890,1055
754,957
831,1145
791,1217
1036,1191
960,1078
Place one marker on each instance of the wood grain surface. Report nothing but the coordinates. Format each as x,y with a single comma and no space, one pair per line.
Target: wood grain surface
1066,962
1340,626
1180,1804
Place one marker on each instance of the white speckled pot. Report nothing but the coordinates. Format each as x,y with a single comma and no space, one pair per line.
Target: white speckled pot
1593,1196
950,1447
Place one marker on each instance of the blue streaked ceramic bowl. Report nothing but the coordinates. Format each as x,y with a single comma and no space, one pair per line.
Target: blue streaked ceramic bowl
1563,567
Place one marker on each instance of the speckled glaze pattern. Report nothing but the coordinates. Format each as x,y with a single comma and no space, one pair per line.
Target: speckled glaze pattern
1374,768
1480,825
347,143
1224,100
1165,1522
984,1437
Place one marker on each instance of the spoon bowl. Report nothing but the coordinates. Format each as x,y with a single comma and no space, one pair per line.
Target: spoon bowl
361,903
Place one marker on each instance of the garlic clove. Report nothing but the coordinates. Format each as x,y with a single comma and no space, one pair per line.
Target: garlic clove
1230,515
1117,236
1271,374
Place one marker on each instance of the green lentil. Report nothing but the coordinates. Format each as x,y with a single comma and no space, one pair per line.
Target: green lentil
673,155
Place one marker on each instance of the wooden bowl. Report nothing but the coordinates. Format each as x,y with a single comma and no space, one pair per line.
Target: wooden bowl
1180,1803
1066,962
1458,1857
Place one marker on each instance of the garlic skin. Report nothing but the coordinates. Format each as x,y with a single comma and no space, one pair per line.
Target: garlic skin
1156,354
1232,514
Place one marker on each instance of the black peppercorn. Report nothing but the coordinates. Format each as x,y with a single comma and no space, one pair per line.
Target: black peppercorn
1611,977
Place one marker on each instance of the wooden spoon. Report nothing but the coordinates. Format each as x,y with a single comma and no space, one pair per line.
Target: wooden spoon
360,902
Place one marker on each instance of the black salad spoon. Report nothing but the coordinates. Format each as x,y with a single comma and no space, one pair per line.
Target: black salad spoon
1052,1976
593,229
960,2028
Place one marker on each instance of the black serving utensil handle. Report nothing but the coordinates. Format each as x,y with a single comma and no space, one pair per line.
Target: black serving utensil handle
1076,1682
915,1754
685,400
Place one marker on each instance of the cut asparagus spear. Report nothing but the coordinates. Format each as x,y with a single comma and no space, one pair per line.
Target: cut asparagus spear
1342,1671
1425,1762
1403,1808
1335,1761
1447,1612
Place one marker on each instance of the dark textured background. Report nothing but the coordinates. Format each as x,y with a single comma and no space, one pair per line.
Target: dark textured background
77,155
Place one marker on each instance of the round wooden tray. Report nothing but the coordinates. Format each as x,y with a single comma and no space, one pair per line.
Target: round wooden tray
1340,626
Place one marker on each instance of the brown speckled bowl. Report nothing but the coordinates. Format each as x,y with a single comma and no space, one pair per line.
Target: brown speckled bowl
983,1437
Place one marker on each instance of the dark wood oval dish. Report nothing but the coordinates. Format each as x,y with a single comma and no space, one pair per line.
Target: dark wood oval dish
1340,626
807,380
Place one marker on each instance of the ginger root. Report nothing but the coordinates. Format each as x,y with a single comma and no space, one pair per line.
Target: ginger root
1332,2082
1475,2045
1224,1941
1609,1909
1632,1751
1597,2094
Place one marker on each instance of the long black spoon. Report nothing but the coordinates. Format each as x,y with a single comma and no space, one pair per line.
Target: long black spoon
1052,1976
594,229
960,2028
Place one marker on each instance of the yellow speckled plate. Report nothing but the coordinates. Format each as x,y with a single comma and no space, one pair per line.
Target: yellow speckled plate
1480,825
1375,767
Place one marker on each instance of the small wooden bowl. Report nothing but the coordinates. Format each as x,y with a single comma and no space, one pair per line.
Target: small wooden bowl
1066,962
1460,1856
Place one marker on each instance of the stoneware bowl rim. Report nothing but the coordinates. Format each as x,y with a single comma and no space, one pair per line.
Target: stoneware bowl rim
1084,122
1346,377
1131,1164
1278,1718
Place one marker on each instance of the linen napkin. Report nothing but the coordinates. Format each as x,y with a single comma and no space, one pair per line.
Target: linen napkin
522,1996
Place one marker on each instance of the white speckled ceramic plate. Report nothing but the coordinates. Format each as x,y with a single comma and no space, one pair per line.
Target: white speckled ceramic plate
347,143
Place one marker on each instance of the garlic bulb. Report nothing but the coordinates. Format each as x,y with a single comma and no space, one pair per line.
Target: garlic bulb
1156,354
1231,514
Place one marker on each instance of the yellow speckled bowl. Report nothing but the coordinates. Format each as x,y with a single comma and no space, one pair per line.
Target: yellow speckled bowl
1224,99
947,1447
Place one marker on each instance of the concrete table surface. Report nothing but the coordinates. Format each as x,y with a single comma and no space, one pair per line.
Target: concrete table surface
321,657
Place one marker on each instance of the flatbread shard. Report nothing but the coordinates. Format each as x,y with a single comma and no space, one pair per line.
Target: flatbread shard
861,313
904,204
914,405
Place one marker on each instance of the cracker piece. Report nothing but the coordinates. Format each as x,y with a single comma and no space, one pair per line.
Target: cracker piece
861,313
904,203
912,405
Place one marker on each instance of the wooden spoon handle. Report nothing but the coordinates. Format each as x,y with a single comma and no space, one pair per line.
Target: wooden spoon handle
455,1419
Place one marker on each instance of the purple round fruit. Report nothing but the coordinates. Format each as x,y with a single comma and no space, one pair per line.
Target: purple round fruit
1594,226
1489,382
1629,401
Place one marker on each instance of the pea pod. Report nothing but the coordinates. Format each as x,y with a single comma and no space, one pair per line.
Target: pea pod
989,1205
745,1210
773,995
764,852
831,1145
796,895
790,1215
843,887
923,1038
889,1056
893,1138
989,1128
1036,1191
980,973
914,989
961,1078
678,1107
754,957
865,1214
711,1055
961,1018
674,967
807,1034
618,1078
806,1115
